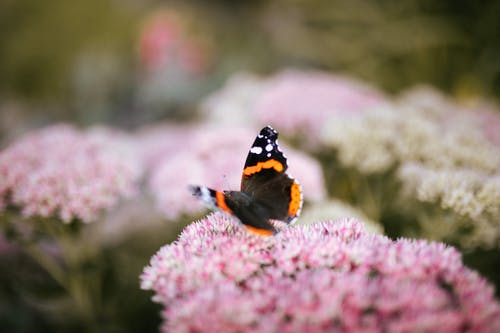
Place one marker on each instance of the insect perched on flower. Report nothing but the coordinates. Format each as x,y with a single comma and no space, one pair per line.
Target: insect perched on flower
267,192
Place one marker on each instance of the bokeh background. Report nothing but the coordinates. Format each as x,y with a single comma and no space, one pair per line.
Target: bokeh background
86,61
135,64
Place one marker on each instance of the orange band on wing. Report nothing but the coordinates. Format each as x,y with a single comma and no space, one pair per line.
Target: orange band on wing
220,200
269,164
296,199
261,232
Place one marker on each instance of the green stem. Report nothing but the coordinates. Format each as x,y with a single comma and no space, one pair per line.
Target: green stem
81,283
71,275
372,195
70,271
47,263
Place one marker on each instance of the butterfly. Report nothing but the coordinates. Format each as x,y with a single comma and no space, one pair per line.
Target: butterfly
267,192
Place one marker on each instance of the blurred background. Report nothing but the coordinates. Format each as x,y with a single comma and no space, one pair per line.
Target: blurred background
135,63
106,61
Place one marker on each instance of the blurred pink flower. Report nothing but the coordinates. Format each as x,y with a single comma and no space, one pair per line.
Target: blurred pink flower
164,141
211,156
164,42
489,117
324,277
175,58
301,101
60,171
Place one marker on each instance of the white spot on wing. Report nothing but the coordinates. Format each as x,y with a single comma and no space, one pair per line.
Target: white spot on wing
268,154
205,196
269,147
256,150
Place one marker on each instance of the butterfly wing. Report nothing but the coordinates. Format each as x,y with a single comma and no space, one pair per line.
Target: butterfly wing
265,158
253,216
265,180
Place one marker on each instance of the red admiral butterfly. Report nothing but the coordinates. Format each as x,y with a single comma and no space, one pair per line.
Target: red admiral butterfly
267,192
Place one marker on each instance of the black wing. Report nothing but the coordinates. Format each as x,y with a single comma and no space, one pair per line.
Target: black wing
252,214
264,178
264,159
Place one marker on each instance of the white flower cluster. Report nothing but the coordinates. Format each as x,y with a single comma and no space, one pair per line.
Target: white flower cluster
442,155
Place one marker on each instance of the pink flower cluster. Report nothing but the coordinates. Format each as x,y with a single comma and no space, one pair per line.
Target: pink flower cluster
325,277
301,101
211,156
297,102
60,171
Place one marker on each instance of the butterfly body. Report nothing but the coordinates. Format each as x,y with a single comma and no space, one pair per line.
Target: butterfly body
267,192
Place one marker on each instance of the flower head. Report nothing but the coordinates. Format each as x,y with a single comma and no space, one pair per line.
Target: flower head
300,101
317,278
297,102
441,153
60,171
473,196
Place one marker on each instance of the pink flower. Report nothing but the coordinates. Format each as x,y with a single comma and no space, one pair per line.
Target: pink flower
329,276
297,102
165,42
489,117
161,142
211,156
60,171
300,101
